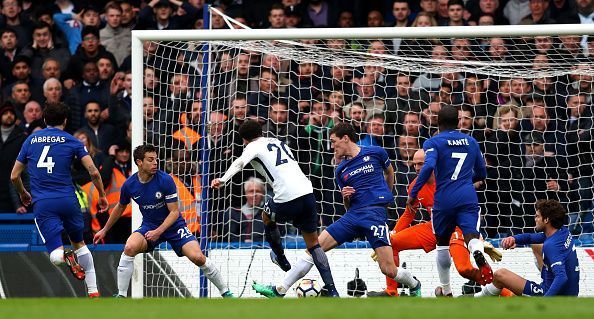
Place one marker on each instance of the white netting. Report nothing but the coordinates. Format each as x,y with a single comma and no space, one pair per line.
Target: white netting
526,100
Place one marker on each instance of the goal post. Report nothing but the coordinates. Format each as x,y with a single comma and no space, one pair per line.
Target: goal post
307,74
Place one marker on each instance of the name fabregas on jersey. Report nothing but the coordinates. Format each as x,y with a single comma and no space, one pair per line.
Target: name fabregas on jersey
48,139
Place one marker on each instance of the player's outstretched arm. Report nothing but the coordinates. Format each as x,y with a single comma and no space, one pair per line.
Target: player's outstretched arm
116,213
235,168
87,161
17,181
153,235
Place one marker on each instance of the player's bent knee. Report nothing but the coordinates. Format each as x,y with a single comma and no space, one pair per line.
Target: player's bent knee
131,249
500,274
198,259
57,257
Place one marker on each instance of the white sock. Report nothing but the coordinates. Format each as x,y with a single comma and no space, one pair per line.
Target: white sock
298,271
444,262
405,277
85,259
476,244
214,275
488,290
125,270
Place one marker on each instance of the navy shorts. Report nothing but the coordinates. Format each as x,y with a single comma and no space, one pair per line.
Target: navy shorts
177,236
467,217
532,289
301,211
54,215
368,221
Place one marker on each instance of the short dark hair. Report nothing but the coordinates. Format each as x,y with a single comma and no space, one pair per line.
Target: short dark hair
341,129
42,25
140,151
447,118
55,114
90,30
553,210
250,130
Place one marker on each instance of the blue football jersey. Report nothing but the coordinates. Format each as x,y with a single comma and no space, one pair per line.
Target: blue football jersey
151,197
365,173
457,161
560,271
48,154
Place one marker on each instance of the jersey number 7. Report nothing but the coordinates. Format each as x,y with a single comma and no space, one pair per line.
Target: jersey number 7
461,157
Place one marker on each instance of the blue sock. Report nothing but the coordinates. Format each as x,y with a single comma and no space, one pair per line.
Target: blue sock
321,262
273,238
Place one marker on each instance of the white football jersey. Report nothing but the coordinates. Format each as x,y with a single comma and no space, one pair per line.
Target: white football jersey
274,159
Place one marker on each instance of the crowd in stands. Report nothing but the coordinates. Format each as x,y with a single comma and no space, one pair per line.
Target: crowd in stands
536,133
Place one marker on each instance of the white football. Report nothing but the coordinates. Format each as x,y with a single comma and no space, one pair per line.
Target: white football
308,288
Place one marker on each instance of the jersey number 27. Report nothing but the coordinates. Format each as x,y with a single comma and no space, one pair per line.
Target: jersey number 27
45,161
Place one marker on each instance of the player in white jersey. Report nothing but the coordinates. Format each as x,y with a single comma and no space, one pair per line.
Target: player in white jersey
293,197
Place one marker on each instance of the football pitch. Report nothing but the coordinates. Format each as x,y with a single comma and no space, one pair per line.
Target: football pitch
458,308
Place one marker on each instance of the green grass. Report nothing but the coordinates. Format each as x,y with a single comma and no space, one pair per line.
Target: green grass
501,308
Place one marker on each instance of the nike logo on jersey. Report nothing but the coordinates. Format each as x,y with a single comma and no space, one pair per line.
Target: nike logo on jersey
137,197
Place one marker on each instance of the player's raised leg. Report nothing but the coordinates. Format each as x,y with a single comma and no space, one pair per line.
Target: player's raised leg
192,250
468,218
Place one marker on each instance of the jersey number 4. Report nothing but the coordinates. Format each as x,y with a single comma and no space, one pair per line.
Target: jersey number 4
46,161
279,156
461,157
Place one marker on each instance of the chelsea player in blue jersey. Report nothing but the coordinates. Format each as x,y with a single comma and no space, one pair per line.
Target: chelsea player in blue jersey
366,178
560,271
457,162
48,155
156,195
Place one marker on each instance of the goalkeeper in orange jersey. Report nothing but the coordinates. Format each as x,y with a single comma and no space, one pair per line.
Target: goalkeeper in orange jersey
421,236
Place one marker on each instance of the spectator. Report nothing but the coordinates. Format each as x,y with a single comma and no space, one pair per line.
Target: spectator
158,15
375,19
89,51
245,224
71,24
429,6
103,135
51,69
430,126
19,97
406,99
538,13
11,139
357,117
411,126
579,135
116,169
346,19
128,19
153,129
276,17
8,51
90,89
80,175
538,176
11,17
114,37
366,95
183,170
376,136
42,48
322,14
21,71
107,70
52,91
405,170
32,113
515,10
259,101
455,14
120,104
555,140
401,12
292,17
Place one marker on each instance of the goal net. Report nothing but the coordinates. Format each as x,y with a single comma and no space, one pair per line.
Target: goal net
527,100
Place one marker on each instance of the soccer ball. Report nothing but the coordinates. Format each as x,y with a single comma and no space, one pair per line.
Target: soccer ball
308,288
